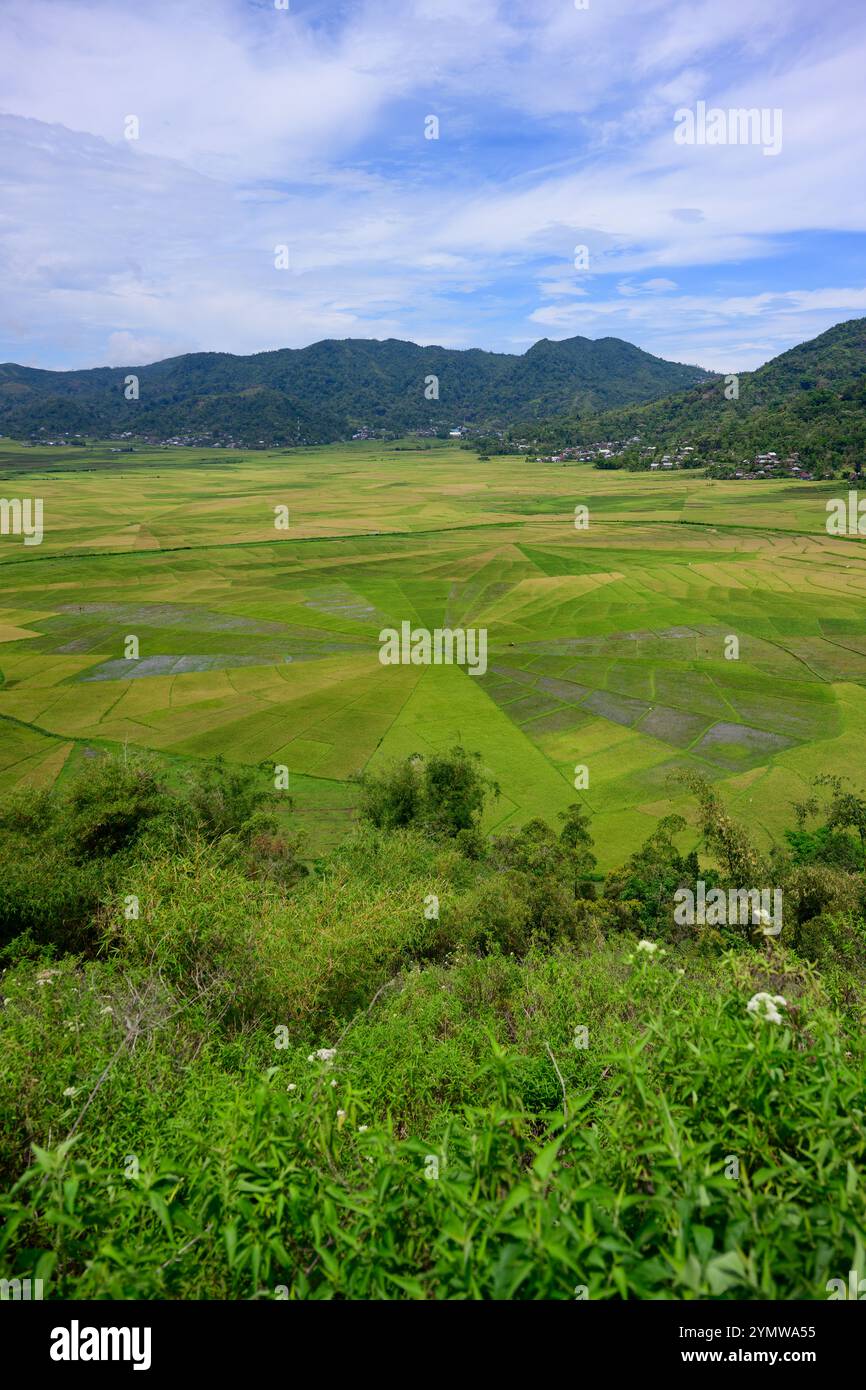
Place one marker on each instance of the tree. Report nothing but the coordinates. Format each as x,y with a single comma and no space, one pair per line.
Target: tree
111,802
455,790
576,838
444,794
228,799
737,855
842,810
650,878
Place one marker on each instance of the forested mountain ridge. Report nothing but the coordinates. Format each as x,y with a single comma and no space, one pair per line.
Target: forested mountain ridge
811,398
333,388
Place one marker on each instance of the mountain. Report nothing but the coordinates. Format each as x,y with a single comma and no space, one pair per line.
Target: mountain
811,399
333,388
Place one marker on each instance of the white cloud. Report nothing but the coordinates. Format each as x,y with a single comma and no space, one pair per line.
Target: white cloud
260,127
709,330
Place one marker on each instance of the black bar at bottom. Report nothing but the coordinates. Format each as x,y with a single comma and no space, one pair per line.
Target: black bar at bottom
85,1339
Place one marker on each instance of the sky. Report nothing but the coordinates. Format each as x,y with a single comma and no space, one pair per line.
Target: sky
242,175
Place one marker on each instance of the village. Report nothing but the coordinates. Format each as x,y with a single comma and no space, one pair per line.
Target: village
630,454
769,465
605,455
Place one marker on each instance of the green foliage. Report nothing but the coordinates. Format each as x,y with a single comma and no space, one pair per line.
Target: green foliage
392,797
825,846
60,853
444,794
331,1092
47,901
64,853
841,809
714,1156
111,804
648,881
227,799
811,400
724,836
325,391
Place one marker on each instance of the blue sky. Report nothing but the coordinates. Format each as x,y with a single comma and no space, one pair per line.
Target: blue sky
261,127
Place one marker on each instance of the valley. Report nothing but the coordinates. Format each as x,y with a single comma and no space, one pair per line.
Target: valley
606,646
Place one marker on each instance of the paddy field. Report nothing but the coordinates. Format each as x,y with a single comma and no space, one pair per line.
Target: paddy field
606,645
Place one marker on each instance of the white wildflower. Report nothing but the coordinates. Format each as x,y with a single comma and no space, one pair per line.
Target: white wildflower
764,1006
291,1086
362,1129
324,1054
649,946
71,1091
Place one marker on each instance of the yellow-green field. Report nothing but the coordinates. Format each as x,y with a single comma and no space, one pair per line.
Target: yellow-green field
606,645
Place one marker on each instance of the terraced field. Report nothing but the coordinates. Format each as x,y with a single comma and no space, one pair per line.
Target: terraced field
607,646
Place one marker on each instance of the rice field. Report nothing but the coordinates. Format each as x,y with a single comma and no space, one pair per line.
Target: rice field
608,647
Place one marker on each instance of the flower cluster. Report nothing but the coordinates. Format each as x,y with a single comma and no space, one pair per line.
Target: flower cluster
766,1007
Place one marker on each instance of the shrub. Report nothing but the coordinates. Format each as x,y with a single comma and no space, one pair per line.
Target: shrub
432,1069
444,794
705,1153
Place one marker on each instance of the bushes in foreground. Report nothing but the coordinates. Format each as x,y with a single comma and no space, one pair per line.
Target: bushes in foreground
65,852
693,1151
433,1068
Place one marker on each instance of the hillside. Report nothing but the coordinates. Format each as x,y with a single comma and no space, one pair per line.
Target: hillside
811,398
331,389
294,1086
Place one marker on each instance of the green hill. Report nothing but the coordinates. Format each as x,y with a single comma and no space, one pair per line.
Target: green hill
811,398
332,389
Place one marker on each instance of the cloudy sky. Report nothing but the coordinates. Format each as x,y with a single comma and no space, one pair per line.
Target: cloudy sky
306,127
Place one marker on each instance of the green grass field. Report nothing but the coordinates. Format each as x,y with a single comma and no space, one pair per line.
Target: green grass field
606,645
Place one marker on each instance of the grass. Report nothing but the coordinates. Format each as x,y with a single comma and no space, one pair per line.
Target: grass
682,1150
